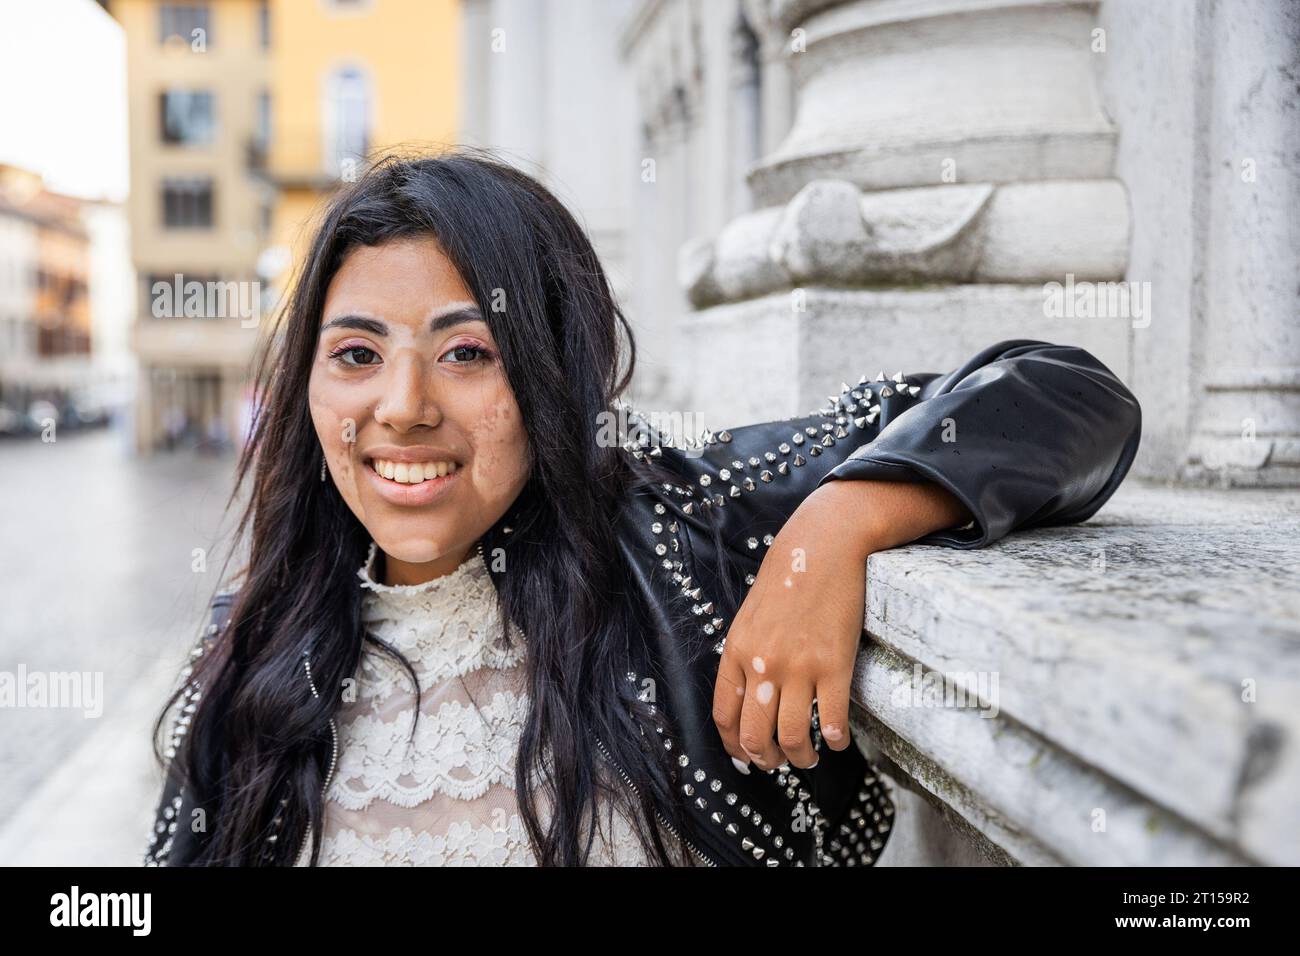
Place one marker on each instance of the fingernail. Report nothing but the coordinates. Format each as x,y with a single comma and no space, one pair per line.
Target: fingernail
741,765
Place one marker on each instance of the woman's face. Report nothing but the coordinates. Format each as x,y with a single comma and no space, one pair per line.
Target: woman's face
411,404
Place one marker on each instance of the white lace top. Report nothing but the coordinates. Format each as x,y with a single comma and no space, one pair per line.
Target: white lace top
446,798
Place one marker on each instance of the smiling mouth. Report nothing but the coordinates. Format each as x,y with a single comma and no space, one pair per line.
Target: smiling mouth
410,472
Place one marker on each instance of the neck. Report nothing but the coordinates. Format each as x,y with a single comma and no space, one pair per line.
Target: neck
396,573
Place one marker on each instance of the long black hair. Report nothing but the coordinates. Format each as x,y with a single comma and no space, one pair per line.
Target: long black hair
259,740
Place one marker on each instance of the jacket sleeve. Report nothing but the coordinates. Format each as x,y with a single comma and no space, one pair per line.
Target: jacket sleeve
1024,434
175,801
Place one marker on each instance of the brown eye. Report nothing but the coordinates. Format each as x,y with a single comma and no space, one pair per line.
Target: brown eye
474,350
356,353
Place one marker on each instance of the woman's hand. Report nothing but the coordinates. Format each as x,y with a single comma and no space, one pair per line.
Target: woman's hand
795,636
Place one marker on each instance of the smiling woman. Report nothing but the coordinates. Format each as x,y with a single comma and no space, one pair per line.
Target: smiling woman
493,636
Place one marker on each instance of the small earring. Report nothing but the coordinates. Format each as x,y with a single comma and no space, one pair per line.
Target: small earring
322,466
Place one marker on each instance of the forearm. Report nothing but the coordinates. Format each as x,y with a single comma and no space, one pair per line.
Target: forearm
877,515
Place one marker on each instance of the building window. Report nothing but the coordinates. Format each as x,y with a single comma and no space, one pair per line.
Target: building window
259,144
187,203
264,24
347,118
267,217
263,133
181,20
188,117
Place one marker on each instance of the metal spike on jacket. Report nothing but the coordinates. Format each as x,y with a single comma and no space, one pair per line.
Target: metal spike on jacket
1024,434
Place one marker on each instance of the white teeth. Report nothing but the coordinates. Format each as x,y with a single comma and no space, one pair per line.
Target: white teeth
412,473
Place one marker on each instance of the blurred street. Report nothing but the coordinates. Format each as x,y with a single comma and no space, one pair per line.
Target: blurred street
96,575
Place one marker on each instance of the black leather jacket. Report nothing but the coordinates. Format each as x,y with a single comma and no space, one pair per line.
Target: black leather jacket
1025,434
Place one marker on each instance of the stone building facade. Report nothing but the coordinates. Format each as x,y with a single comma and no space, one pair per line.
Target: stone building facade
926,176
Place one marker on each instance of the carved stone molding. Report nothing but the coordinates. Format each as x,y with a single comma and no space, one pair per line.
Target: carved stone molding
831,233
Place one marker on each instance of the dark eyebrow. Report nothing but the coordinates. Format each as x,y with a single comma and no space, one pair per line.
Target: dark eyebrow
376,327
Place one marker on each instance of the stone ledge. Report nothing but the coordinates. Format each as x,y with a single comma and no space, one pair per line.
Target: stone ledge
1108,664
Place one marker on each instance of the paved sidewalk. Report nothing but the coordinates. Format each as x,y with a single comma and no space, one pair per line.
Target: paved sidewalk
101,580
97,807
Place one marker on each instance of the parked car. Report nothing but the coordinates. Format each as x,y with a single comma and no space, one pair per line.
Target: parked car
11,422
38,413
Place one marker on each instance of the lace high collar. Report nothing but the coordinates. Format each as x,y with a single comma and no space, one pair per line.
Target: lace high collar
455,580
447,627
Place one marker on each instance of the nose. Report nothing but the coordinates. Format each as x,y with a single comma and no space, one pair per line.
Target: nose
408,398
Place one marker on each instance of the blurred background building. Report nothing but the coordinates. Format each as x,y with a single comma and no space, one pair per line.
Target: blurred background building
347,78
781,191
198,77
63,358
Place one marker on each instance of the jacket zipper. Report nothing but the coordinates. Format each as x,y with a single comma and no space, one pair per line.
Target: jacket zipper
610,760
334,757
632,786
